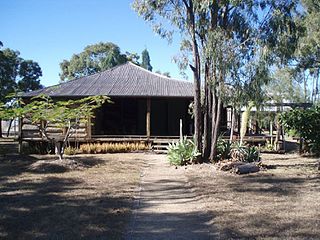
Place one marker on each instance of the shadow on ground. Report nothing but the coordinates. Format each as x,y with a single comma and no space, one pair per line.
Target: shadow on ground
57,205
280,203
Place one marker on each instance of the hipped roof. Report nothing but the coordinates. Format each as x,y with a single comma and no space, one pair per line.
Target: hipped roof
123,80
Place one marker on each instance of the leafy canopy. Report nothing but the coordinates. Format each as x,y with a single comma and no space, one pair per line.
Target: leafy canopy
44,112
306,123
94,58
17,74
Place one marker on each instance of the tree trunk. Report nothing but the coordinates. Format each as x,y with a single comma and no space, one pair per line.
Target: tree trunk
10,124
233,120
206,117
58,149
0,128
213,121
197,98
196,77
278,134
216,130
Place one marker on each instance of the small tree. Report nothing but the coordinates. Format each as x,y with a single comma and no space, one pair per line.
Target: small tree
306,124
42,112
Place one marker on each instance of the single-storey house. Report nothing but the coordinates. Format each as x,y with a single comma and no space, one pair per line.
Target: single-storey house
145,104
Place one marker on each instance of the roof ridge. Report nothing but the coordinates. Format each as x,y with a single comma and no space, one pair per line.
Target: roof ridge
157,74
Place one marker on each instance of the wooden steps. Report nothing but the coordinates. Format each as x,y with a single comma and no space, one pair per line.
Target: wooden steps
161,145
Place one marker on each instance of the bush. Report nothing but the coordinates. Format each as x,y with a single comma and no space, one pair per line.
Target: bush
252,155
182,152
306,123
237,151
70,151
223,149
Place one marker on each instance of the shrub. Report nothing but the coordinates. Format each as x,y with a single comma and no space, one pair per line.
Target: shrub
238,152
70,151
306,124
182,152
223,149
244,153
253,154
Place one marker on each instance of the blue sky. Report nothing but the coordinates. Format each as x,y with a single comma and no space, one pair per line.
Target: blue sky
48,31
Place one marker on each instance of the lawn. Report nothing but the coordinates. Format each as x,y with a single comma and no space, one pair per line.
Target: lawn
282,202
92,201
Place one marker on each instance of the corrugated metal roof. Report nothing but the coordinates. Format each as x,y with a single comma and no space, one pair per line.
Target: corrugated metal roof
124,80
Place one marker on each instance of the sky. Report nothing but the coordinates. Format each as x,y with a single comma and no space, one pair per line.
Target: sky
49,31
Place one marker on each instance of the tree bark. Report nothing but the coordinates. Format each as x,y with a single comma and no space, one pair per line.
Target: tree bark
206,117
0,128
233,120
216,130
58,149
196,78
213,122
10,124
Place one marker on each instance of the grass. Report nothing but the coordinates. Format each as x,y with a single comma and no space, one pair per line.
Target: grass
93,201
282,202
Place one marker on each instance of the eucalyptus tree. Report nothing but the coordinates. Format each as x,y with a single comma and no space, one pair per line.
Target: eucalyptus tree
229,43
308,50
94,58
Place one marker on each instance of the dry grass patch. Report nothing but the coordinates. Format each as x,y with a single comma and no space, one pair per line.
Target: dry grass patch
60,201
282,202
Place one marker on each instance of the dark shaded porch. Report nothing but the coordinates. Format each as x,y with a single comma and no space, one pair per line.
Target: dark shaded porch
129,116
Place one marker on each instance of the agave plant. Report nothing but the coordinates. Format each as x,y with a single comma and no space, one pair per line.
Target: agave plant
182,152
245,153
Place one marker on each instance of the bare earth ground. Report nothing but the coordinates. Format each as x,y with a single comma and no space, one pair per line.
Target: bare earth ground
280,203
168,208
94,201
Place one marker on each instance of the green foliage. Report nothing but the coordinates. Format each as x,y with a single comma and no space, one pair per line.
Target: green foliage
252,154
306,123
63,113
244,153
308,53
43,111
228,43
146,60
94,58
17,74
236,151
182,152
285,86
30,73
223,149
70,151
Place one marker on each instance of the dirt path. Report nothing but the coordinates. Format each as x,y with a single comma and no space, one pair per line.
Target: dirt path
167,208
